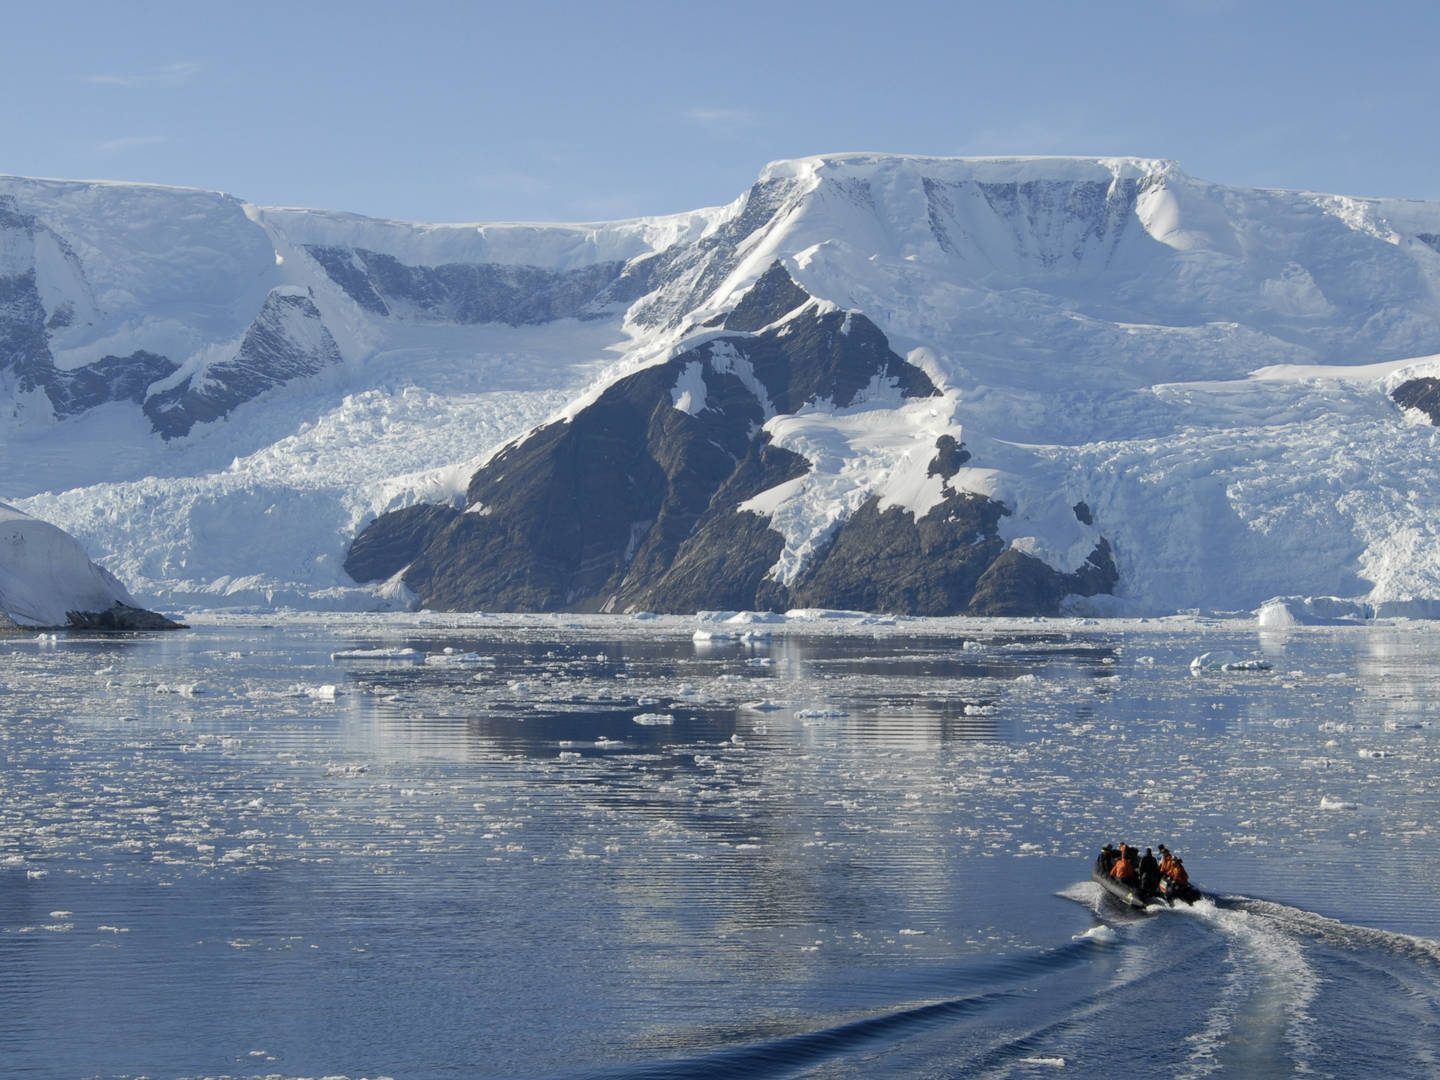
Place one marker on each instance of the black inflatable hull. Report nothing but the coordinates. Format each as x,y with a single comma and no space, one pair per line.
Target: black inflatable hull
1126,894
1132,897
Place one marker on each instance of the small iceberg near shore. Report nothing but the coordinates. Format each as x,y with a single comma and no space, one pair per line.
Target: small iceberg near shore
47,581
1220,660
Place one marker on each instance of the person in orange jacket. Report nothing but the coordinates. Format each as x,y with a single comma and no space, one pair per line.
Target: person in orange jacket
1124,868
1178,874
1167,861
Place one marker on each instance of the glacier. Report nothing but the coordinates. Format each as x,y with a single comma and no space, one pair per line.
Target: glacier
216,397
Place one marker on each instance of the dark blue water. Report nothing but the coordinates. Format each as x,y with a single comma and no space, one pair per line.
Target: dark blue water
227,853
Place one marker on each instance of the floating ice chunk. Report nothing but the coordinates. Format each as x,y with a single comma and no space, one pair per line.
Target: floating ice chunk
1372,753
654,718
1213,661
643,616
458,659
713,635
1225,660
323,692
820,714
761,706
569,755
811,614
751,617
1043,1062
1253,664
346,770
908,932
376,654
979,710
761,661
182,689
1327,803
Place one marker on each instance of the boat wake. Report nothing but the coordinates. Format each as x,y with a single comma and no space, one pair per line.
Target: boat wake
1231,986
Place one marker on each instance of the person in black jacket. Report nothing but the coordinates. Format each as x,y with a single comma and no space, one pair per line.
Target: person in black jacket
1105,860
1149,874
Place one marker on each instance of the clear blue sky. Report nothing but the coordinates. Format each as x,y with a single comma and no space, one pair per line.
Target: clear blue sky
536,110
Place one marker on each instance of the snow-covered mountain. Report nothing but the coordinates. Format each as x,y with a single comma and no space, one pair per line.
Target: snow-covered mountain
880,381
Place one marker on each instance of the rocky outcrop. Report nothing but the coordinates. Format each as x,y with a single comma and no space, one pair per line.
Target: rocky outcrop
1018,583
288,340
120,617
467,292
1422,394
636,502
378,554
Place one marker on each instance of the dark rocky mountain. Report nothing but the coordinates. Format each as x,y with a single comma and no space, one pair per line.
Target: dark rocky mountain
635,501
469,292
288,340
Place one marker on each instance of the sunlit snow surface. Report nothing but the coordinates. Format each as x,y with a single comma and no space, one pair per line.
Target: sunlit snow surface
437,846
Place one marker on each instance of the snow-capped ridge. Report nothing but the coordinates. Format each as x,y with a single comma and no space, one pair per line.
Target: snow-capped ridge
1216,373
984,168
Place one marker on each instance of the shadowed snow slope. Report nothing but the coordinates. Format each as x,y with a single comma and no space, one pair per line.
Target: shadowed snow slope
1183,394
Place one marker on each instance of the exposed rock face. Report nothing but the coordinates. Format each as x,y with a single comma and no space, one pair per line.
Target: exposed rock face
466,292
379,554
1422,394
25,329
120,617
888,561
113,378
634,503
288,340
697,269
1017,583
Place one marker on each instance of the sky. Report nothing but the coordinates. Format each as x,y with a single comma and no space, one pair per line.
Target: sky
537,110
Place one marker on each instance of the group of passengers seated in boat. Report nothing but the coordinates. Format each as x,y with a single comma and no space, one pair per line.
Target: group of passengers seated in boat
1148,875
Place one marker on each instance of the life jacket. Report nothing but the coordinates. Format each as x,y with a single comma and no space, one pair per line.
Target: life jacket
1178,875
1123,869
1167,863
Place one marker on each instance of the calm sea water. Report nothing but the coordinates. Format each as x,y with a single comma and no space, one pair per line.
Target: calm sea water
856,851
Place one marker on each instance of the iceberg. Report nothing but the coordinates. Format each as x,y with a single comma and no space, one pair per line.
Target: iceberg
47,580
